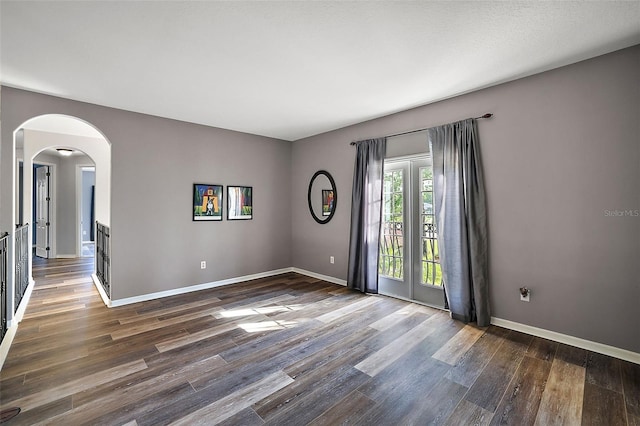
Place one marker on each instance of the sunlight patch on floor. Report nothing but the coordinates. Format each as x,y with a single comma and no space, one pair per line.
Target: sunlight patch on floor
260,311
256,327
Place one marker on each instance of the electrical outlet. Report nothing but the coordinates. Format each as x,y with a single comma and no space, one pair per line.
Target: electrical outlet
203,264
332,260
525,294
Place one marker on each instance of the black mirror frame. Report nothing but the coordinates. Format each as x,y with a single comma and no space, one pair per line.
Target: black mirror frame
335,196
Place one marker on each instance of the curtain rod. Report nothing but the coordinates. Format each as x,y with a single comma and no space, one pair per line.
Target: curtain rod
487,115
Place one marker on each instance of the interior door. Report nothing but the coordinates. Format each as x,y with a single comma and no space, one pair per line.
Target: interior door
42,211
409,265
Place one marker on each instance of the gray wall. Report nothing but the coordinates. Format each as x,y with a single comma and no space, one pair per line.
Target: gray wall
155,161
561,150
88,181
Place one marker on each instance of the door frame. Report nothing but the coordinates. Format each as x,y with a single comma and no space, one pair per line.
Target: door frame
410,164
52,205
42,210
79,201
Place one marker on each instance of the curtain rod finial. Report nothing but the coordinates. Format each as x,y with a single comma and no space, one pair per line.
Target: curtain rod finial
487,115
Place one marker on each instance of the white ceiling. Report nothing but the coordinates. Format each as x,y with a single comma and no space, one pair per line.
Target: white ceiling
294,69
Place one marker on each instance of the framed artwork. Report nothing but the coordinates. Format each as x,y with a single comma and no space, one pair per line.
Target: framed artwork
327,202
239,202
207,202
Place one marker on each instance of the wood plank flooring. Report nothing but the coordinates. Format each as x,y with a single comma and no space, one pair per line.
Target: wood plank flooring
291,350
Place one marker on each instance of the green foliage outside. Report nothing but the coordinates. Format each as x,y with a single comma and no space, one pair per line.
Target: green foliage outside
431,269
391,239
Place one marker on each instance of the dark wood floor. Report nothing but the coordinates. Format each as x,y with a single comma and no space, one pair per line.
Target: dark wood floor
291,350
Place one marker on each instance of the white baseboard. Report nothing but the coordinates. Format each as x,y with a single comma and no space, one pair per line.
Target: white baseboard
66,256
569,340
103,294
6,342
205,286
12,324
23,303
320,276
197,287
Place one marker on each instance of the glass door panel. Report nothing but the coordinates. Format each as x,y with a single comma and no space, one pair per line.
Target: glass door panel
394,271
427,285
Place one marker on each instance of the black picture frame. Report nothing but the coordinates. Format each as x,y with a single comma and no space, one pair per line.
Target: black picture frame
239,202
208,202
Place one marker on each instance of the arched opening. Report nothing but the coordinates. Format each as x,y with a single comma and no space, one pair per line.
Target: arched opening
64,197
68,149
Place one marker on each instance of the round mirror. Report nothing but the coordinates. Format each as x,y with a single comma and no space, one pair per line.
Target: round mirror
322,196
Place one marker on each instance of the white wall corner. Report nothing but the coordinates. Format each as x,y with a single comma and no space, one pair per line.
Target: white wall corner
327,278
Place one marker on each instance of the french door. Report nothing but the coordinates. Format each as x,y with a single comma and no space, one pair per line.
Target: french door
409,266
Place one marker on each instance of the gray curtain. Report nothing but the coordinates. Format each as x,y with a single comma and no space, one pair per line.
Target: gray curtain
461,219
366,215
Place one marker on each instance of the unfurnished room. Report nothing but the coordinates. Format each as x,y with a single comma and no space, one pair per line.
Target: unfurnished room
319,213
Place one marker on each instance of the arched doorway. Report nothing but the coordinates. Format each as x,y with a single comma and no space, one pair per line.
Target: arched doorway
32,137
64,198
53,134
